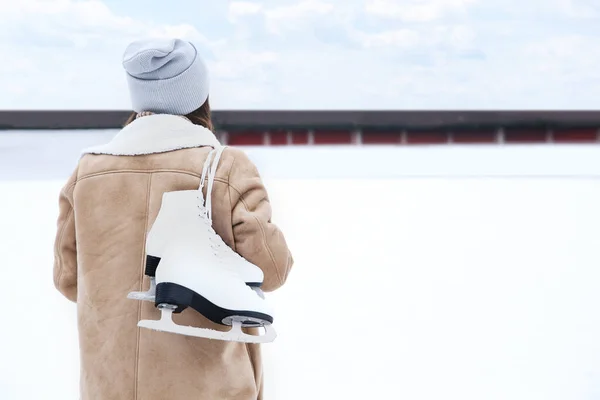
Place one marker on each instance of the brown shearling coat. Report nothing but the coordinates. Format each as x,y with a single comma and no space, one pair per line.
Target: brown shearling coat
106,209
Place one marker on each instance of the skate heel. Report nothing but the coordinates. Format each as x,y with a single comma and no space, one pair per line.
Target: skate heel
174,295
151,265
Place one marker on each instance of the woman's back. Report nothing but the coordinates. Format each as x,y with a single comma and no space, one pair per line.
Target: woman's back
106,210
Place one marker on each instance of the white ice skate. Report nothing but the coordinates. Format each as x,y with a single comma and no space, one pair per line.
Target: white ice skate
167,226
198,270
193,275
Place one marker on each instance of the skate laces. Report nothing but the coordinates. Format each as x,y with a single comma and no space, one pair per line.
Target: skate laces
209,171
221,246
205,206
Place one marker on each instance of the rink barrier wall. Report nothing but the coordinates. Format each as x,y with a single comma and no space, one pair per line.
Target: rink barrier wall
405,137
285,128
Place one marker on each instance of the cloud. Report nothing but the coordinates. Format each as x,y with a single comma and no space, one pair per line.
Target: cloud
240,65
454,38
239,9
67,54
244,8
311,54
415,10
404,38
81,23
587,9
301,9
294,16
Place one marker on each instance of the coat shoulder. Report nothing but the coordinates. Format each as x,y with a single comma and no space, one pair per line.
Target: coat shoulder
240,163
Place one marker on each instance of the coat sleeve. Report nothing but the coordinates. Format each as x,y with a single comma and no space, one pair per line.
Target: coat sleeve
65,250
256,238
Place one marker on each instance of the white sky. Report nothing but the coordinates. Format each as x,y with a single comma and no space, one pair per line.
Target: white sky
313,54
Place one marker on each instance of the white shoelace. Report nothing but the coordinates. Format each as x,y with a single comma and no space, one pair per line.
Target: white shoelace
209,172
218,245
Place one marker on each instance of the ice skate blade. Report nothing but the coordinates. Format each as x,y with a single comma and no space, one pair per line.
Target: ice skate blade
235,334
148,295
144,296
259,292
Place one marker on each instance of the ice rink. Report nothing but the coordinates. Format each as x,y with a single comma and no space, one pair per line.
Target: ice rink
421,273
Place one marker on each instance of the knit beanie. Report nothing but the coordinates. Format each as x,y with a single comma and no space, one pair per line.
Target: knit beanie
165,76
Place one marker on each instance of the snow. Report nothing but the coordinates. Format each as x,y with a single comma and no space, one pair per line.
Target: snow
421,273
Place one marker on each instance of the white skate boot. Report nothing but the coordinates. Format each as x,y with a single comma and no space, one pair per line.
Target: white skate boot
167,226
193,275
198,270
175,208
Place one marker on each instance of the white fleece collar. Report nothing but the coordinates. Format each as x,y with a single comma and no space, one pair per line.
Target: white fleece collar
157,133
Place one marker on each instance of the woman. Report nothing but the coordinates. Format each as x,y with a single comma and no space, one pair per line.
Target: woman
106,209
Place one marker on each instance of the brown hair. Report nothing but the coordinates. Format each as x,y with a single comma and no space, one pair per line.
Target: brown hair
201,116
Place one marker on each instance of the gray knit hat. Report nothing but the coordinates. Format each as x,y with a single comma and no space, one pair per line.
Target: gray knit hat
165,76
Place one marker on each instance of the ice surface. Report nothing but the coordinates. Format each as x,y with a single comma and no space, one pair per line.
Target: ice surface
436,289
426,273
